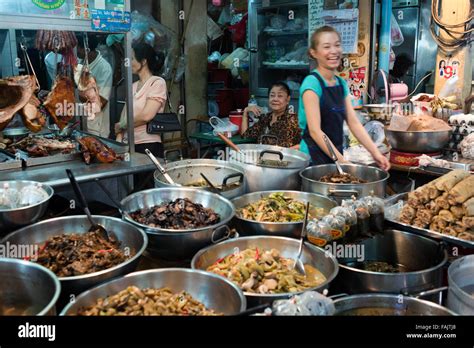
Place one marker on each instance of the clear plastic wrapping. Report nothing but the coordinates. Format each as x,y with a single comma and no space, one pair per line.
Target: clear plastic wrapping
337,225
11,198
350,217
309,303
376,207
319,233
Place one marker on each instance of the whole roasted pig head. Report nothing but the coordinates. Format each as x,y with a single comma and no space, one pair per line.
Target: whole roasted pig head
15,93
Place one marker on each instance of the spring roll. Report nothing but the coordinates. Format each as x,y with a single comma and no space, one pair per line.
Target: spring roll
425,216
408,214
442,201
423,194
468,235
468,207
462,191
450,180
413,199
459,227
449,231
446,215
468,222
433,192
433,207
457,211
418,223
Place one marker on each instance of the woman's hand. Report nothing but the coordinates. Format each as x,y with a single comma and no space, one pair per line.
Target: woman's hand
382,162
117,128
257,111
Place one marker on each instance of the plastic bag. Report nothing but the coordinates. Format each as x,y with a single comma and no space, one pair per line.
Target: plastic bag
223,126
308,303
396,32
319,233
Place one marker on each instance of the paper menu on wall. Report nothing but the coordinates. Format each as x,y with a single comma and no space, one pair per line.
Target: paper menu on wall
315,8
346,22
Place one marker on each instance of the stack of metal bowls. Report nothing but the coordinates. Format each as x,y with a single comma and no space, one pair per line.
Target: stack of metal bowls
11,219
287,247
27,289
180,244
131,238
247,227
215,292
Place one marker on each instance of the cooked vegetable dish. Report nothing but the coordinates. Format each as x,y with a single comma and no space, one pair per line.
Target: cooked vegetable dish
278,208
265,272
70,255
177,215
146,302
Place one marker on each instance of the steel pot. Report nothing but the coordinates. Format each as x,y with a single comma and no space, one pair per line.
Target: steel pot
11,219
383,304
247,227
261,178
376,181
180,244
418,142
288,247
461,285
220,173
421,261
27,288
214,291
130,237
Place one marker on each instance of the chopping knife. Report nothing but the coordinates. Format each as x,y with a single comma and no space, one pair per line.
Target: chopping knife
333,155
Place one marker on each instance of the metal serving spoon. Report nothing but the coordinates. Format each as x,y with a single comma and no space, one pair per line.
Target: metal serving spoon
298,265
333,155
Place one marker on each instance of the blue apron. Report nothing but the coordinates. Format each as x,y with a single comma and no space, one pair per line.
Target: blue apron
333,114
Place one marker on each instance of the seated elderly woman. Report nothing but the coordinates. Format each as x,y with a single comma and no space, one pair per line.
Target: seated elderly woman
279,122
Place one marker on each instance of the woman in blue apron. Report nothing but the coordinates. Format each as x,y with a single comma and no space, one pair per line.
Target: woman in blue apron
325,104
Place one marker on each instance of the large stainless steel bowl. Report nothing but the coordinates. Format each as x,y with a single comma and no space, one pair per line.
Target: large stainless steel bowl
461,285
288,248
418,142
130,236
11,219
376,181
27,288
187,172
247,227
214,291
180,244
383,304
421,261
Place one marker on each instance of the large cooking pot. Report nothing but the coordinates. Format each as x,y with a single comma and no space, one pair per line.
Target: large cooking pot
180,244
418,142
376,181
129,236
267,178
11,219
461,285
214,291
247,227
229,176
421,262
27,288
288,248
384,304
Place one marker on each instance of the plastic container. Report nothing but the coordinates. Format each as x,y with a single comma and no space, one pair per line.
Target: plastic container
236,118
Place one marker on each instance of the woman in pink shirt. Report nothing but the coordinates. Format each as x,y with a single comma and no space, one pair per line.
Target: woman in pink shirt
149,98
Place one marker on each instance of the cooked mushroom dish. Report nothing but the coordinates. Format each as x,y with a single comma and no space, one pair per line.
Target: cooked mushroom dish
180,214
278,208
70,255
380,266
135,301
345,178
266,272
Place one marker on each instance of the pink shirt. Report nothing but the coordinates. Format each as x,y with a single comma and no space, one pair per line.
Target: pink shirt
153,89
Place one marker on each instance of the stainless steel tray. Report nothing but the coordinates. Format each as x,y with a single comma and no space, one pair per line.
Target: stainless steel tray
119,148
393,200
9,161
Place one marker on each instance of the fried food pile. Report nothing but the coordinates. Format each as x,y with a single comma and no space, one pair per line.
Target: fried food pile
445,205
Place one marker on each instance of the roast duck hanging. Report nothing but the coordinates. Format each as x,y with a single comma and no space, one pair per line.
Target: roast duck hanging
88,91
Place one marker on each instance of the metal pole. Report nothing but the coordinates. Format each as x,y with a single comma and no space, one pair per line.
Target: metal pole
385,37
128,84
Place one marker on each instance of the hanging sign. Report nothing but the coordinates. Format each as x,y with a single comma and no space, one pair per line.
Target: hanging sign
48,4
111,21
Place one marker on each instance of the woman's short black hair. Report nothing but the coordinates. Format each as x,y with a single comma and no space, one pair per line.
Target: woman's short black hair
282,85
154,59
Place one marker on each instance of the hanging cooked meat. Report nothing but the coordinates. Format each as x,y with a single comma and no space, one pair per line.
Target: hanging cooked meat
60,100
88,92
50,40
15,93
93,148
33,118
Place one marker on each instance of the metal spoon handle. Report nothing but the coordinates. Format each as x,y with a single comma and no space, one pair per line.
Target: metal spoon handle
213,188
160,167
109,194
333,154
79,195
303,231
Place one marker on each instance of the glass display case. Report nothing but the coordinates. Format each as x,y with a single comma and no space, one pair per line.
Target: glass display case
278,41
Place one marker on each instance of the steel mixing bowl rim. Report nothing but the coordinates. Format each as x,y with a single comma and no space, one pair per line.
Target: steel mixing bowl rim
168,231
49,273
137,255
238,291
49,190
418,132
329,279
302,176
458,263
268,223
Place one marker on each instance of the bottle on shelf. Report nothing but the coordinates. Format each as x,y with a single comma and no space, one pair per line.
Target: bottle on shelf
252,102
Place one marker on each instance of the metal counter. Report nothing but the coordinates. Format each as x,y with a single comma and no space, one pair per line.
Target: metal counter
55,174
